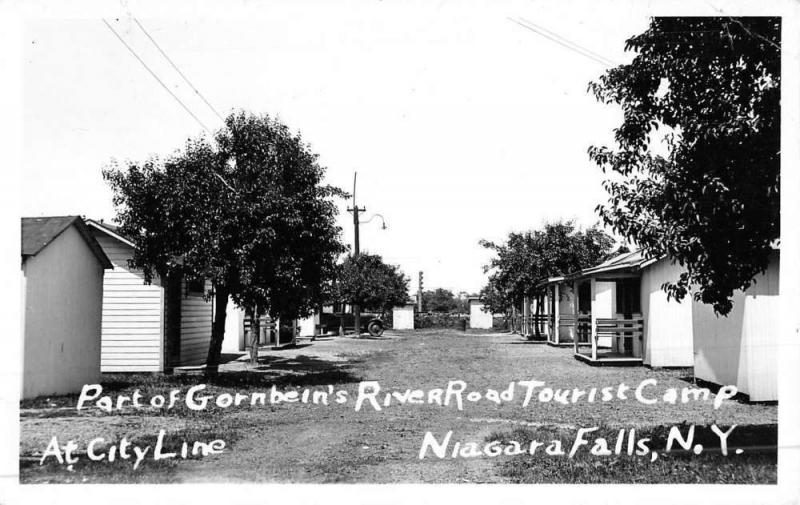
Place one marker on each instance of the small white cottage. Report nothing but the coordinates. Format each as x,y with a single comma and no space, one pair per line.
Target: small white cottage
403,316
478,317
62,296
742,348
149,327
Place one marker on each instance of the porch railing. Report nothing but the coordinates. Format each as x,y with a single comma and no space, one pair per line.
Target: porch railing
543,321
267,328
625,333
582,324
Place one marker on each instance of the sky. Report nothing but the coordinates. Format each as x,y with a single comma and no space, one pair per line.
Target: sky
461,124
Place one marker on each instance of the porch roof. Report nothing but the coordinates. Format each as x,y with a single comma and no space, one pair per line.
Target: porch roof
633,261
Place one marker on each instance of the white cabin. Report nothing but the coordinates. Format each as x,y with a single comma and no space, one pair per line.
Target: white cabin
622,316
478,317
742,348
62,295
149,327
403,316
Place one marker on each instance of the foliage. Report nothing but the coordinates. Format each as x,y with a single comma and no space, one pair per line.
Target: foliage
494,297
462,301
439,300
526,258
369,282
711,87
251,215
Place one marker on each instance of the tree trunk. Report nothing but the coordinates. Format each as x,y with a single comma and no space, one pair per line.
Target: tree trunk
217,329
536,319
357,319
255,333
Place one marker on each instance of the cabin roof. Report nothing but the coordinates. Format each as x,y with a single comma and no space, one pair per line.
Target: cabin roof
39,232
626,261
110,230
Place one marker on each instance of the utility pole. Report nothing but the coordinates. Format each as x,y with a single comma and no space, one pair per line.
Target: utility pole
356,251
419,293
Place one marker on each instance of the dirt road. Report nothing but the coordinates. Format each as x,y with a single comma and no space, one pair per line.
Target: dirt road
307,442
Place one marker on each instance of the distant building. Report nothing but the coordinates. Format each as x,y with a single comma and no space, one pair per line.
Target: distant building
403,316
478,317
62,296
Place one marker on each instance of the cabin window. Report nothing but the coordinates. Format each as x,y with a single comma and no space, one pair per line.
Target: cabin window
195,286
585,298
628,297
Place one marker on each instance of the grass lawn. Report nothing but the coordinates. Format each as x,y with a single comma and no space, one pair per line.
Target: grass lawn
307,442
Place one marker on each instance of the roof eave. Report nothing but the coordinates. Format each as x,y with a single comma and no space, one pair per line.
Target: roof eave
97,226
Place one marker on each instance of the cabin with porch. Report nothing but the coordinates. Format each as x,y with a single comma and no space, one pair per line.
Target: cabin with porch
149,327
621,316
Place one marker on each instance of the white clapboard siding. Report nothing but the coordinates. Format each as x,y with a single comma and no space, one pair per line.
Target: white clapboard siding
196,315
132,314
742,348
667,323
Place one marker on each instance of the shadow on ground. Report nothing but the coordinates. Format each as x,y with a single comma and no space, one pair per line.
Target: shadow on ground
271,370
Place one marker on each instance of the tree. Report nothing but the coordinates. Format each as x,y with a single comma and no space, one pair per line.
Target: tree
525,259
462,302
494,297
711,88
251,215
369,282
439,300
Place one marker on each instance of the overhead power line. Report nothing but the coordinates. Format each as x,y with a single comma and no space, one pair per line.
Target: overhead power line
164,54
564,42
173,95
166,88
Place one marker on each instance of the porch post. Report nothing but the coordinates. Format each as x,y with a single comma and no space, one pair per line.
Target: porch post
526,314
593,331
513,319
575,312
556,310
546,299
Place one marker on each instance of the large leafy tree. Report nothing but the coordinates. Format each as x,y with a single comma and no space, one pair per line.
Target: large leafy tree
524,259
369,282
250,214
711,88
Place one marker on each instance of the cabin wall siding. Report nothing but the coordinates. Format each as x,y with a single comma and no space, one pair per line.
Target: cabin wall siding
668,328
741,348
605,306
196,320
566,306
132,327
62,297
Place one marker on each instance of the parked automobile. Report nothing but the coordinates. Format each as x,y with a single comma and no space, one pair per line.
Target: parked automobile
370,323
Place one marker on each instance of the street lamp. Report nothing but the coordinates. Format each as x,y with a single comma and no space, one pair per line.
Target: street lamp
356,247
